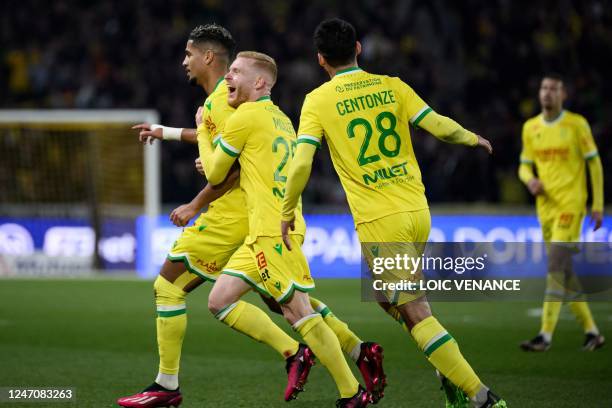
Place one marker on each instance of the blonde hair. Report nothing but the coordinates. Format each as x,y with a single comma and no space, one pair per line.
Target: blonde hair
262,61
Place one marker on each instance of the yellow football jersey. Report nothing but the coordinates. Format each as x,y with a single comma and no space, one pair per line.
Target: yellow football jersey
263,138
559,150
215,115
365,118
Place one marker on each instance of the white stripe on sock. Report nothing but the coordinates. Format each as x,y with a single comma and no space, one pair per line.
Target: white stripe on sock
434,339
297,324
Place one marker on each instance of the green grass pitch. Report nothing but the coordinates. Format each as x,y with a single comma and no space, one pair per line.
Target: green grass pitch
99,337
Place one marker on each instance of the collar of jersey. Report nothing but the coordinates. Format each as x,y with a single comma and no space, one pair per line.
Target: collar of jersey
263,98
347,71
218,82
555,120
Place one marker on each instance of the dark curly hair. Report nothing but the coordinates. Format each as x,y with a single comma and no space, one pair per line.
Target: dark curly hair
335,40
213,33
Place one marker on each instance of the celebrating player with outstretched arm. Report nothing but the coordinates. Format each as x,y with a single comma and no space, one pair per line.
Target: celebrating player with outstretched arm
560,145
262,138
364,118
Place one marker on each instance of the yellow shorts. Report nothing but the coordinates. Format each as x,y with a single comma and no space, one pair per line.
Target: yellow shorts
271,269
562,226
401,233
206,247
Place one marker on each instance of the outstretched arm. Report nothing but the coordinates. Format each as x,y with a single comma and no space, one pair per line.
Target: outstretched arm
449,131
150,132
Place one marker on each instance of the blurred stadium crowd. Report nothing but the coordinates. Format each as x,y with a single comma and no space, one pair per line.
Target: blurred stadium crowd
478,62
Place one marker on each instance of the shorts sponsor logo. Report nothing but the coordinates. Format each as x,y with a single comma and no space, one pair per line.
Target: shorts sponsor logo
210,267
565,220
261,260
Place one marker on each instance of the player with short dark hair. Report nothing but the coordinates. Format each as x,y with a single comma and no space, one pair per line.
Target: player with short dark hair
365,120
560,145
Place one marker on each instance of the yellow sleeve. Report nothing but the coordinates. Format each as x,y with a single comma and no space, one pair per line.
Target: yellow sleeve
596,170
422,116
218,162
525,171
310,130
299,173
588,148
447,130
416,108
587,143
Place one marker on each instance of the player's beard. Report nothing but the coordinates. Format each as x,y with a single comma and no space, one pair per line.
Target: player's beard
193,81
238,100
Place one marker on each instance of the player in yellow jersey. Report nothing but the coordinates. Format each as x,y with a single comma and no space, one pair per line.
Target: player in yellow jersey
560,145
365,120
262,138
202,250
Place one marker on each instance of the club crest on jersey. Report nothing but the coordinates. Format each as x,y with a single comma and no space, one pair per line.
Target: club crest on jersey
261,260
210,125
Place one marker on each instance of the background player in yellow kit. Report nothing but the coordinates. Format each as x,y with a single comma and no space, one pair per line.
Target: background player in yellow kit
365,119
202,250
262,138
560,145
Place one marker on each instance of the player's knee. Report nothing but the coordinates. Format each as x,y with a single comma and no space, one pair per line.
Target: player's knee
297,308
159,285
167,294
215,304
172,270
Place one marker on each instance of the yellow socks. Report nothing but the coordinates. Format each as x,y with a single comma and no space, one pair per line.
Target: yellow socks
171,326
583,314
443,353
252,321
550,316
350,343
324,344
394,312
